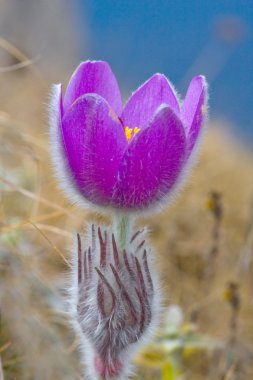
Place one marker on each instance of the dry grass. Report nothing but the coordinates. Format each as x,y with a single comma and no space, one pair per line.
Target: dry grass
36,227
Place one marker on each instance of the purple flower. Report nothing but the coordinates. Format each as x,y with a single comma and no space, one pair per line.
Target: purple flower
129,158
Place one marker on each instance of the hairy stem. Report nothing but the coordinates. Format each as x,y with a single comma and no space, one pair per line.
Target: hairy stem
122,224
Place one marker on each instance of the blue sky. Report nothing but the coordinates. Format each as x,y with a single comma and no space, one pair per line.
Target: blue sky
178,38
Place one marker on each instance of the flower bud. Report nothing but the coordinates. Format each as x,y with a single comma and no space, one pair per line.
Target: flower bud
115,301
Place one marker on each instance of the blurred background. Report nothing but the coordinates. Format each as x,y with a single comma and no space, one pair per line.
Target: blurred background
139,38
204,242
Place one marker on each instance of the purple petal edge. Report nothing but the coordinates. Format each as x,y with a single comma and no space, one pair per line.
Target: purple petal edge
94,142
144,102
93,77
194,110
152,163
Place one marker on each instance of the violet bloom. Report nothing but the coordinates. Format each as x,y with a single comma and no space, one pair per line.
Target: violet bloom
128,158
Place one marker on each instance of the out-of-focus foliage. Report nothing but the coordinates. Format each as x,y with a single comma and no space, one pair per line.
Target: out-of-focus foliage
175,343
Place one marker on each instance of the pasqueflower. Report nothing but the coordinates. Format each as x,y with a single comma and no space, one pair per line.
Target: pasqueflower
130,157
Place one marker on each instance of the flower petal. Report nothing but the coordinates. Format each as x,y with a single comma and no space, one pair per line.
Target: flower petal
94,77
61,166
143,104
152,163
95,143
194,110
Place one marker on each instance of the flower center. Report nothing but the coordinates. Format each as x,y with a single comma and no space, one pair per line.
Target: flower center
131,132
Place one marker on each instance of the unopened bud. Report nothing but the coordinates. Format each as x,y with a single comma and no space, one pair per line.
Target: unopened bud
115,301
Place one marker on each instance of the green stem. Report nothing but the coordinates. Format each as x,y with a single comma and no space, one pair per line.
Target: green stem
122,228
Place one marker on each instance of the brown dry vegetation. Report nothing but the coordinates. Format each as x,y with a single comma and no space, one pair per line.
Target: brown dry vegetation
36,226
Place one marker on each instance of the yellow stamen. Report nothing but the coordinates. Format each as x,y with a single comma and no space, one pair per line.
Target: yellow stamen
136,130
128,132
